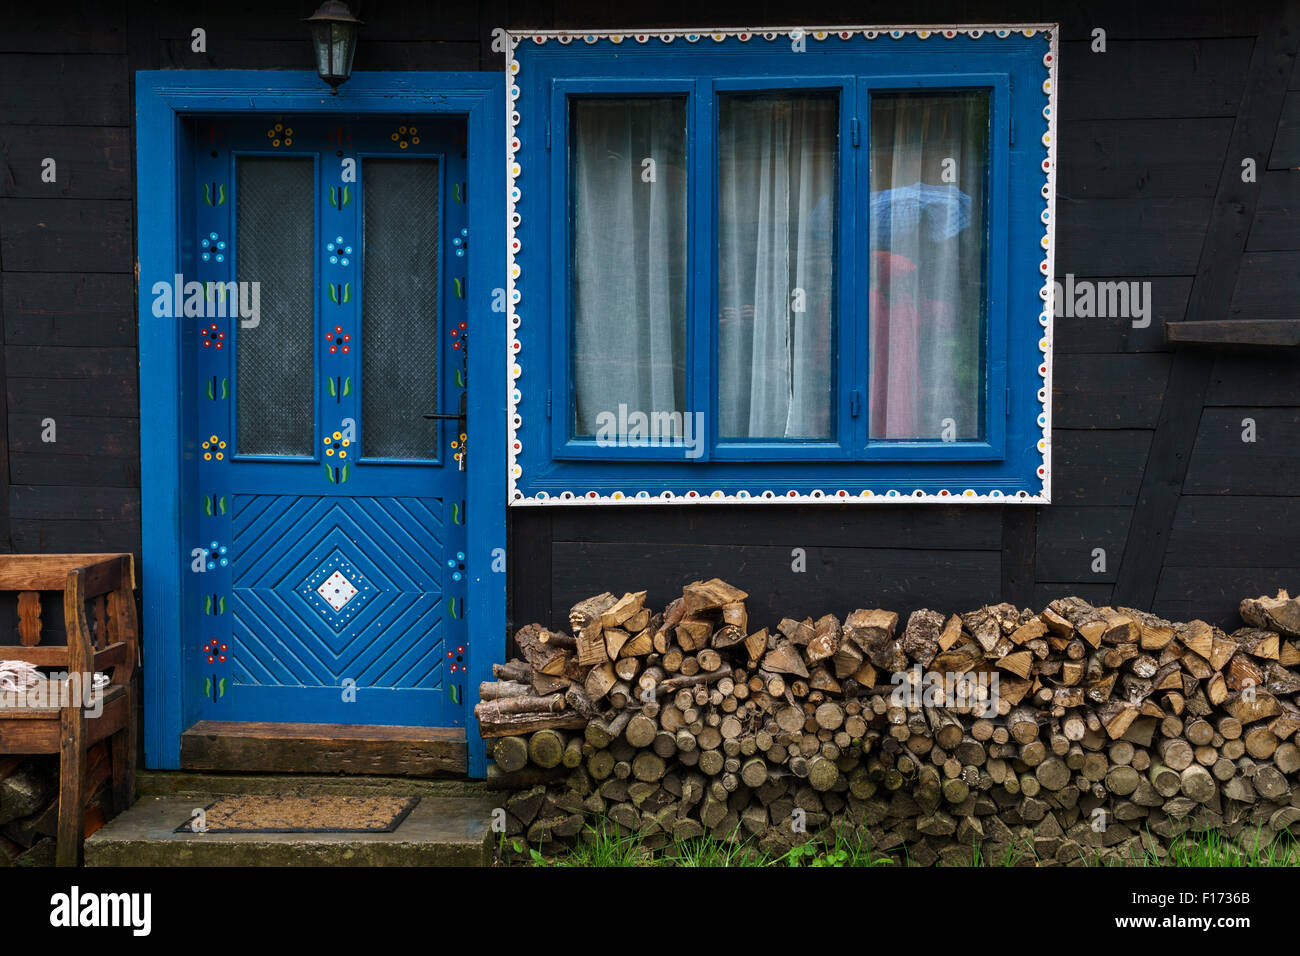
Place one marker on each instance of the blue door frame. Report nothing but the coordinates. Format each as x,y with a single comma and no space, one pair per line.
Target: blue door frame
162,99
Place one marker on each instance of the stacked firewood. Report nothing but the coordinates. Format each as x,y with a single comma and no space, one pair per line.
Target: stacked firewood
29,804
1072,732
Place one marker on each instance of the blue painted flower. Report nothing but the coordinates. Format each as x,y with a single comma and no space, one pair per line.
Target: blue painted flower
214,247
339,252
217,556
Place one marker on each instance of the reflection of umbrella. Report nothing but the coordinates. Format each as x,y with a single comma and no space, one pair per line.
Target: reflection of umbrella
897,212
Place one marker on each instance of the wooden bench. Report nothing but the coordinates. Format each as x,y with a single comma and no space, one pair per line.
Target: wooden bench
104,582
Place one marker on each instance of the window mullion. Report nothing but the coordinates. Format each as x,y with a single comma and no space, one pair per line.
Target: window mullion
850,312
701,387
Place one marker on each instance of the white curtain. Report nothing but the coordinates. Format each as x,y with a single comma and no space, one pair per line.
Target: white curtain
776,215
629,257
928,240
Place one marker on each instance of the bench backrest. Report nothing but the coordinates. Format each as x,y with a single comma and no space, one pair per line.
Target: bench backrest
104,581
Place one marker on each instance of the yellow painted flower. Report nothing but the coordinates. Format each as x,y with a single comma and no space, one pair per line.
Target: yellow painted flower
214,447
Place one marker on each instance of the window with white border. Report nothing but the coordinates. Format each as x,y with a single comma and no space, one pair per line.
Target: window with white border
798,264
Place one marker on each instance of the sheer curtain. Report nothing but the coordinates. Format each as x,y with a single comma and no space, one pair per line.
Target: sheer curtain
628,213
927,263
776,216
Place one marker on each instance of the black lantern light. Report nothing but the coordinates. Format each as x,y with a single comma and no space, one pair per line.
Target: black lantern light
334,39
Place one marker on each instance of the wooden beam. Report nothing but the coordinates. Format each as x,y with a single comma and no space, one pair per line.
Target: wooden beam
1278,333
233,747
1211,296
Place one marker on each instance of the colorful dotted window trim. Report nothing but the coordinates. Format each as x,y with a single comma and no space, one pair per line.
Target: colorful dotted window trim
514,207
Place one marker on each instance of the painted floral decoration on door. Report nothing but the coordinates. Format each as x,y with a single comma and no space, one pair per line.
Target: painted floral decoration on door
280,135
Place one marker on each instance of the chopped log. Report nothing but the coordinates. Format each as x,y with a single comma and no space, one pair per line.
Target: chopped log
590,610
514,670
1258,704
756,645
673,684
1017,663
920,639
510,753
822,773
622,609
545,684
693,634
495,690
648,766
1175,753
829,716
1197,637
1280,613
639,645
785,659
709,659
1165,779
640,731
797,632
496,709
710,595
1198,784
599,681
1260,742
1116,716
546,748
869,629
512,724
826,640
1258,643
542,657
846,660
615,639
556,639
572,753
601,732
626,668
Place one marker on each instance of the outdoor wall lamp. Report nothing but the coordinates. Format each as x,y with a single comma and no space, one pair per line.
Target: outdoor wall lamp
334,39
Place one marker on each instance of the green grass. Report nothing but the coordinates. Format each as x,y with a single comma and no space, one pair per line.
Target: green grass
602,845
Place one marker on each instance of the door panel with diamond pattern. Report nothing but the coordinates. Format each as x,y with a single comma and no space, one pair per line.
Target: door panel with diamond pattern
330,508
358,597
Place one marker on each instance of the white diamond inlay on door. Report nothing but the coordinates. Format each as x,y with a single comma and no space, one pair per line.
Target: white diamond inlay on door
337,591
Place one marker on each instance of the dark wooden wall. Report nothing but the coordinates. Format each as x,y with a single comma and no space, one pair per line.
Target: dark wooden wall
1148,462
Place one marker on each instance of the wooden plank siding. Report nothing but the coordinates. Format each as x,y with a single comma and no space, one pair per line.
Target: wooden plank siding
1148,462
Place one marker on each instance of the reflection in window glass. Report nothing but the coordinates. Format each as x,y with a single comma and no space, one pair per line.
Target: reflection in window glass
928,264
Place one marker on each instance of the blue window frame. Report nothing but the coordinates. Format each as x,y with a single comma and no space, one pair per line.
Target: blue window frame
852,431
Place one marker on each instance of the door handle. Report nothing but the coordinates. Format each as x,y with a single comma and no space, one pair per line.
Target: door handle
459,419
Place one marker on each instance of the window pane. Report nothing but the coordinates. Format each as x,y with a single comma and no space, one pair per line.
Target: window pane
275,226
776,245
628,213
929,231
399,308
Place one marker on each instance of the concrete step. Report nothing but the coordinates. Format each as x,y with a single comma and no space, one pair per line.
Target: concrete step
441,831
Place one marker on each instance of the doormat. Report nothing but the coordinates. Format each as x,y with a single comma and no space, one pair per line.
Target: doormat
323,814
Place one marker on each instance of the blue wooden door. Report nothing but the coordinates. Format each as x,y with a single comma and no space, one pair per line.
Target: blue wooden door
331,254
